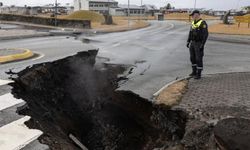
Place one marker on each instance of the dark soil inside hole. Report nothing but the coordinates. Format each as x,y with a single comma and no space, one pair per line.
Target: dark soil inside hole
73,96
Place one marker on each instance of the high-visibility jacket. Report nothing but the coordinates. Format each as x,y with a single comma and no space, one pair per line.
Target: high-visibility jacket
198,31
197,24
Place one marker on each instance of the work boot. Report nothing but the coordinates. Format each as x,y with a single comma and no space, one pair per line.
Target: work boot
198,75
194,72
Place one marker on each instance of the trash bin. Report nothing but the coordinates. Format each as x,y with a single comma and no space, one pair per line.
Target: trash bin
159,16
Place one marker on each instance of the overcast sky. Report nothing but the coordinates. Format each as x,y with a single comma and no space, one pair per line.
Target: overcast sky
214,4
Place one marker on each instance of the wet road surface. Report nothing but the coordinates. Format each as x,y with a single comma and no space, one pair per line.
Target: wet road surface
158,53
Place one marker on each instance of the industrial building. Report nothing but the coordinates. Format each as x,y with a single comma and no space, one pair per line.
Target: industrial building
100,6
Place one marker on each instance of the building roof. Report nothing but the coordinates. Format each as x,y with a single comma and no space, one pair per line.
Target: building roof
124,6
105,1
150,7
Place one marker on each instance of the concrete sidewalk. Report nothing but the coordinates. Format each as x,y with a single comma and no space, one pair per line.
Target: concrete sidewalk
219,96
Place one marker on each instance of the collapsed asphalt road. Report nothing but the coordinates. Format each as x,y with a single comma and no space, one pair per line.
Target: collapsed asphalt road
76,96
75,100
158,52
160,49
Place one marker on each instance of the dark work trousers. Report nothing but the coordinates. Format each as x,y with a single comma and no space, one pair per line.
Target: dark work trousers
196,55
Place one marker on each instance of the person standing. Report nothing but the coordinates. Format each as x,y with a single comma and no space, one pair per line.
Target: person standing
197,38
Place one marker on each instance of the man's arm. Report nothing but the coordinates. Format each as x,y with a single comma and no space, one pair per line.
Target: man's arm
189,39
189,36
205,33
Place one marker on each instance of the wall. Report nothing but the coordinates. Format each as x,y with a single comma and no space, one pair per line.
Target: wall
47,21
81,5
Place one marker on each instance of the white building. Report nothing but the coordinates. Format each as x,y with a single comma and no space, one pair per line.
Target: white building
150,9
20,10
122,10
101,6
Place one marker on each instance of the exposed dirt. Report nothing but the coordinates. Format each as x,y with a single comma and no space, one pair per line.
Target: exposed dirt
77,96
172,95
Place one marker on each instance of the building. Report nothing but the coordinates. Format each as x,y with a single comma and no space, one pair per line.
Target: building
100,6
122,10
150,9
217,12
180,10
35,10
19,10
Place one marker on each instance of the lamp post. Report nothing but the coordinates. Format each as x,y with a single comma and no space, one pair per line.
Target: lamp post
108,8
141,11
55,13
128,13
194,4
238,3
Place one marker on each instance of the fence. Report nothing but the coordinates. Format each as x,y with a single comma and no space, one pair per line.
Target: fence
242,19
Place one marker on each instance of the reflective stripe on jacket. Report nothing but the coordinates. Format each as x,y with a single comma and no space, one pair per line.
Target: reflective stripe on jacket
197,24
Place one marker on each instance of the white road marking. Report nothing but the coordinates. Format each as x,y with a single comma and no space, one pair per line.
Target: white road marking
125,41
3,82
171,26
39,57
8,100
117,44
16,135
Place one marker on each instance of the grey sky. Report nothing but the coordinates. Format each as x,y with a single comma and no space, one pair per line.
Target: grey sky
214,4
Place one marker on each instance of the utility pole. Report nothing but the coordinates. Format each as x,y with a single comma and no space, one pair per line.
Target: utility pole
141,11
108,8
55,13
237,6
194,4
128,13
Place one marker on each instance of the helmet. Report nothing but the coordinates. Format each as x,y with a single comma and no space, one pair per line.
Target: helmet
195,12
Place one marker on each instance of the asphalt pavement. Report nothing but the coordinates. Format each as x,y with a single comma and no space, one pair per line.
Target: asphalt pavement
158,54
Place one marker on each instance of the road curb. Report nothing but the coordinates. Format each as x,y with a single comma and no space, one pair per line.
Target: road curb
25,36
169,84
99,31
15,57
228,40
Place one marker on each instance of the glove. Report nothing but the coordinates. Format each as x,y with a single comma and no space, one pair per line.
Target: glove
188,44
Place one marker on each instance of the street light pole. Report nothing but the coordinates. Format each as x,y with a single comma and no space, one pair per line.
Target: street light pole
108,8
141,11
194,4
128,13
55,13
